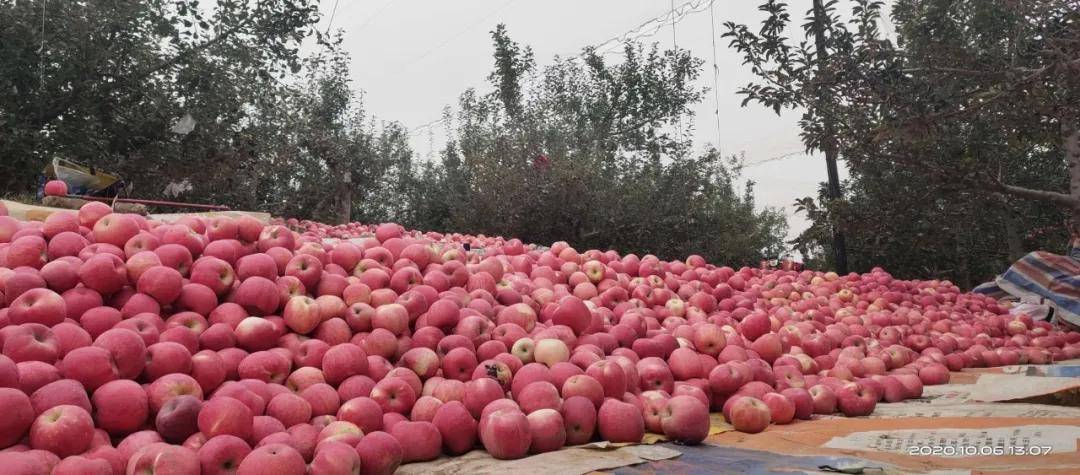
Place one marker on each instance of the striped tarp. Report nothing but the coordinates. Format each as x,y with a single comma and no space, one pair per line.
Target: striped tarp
1051,278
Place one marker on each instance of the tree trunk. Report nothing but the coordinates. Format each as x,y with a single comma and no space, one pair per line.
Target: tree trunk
1012,236
829,138
343,214
1071,134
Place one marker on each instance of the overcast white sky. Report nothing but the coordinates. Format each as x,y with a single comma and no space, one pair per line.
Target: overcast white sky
413,57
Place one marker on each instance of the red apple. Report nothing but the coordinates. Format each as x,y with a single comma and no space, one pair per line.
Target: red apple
62,430
505,434
750,415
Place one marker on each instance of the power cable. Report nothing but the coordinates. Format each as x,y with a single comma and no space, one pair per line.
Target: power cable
41,73
332,14
716,77
774,159
455,37
374,15
674,41
673,16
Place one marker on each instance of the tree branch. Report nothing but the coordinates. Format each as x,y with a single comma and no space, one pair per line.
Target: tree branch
1039,195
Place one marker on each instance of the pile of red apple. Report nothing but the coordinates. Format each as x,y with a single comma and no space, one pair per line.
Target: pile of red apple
222,345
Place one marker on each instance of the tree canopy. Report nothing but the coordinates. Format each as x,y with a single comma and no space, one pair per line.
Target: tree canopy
961,134
596,153
248,104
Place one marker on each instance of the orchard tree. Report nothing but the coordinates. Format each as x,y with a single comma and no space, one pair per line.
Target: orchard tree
960,134
802,75
594,152
107,82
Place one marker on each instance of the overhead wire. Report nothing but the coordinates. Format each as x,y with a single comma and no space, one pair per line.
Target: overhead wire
774,158
716,76
332,14
374,15
641,31
41,73
454,37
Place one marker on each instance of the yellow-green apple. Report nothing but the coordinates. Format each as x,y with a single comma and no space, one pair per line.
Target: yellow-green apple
550,351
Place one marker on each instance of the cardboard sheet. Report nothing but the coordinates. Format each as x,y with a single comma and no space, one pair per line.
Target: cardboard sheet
1034,440
1011,387
974,409
570,461
709,460
885,441
1055,370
